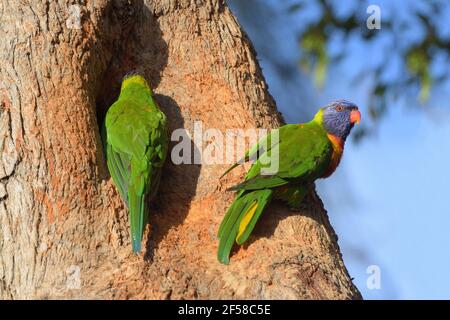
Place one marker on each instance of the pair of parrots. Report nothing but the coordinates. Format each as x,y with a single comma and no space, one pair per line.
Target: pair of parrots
136,142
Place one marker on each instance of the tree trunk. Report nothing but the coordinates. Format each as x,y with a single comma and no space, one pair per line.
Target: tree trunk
63,227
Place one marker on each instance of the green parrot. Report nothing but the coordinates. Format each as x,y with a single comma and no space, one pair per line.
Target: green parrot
135,141
305,152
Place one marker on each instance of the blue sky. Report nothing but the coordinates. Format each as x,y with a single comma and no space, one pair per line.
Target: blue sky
388,200
397,216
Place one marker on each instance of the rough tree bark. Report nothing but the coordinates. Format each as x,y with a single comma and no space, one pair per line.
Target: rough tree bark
61,217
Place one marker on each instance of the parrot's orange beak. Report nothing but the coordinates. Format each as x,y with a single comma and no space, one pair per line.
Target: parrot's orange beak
355,116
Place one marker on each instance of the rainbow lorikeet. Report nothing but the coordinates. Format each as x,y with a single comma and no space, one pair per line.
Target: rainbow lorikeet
305,152
135,141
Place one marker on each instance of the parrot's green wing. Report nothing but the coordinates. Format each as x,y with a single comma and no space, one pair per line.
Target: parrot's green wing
136,148
303,153
253,153
119,166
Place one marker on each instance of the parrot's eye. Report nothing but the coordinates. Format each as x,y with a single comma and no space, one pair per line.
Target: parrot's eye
339,108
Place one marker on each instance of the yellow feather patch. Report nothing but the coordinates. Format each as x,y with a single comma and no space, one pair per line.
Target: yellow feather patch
246,219
135,79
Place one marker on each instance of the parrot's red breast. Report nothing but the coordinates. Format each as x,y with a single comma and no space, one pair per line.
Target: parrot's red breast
338,150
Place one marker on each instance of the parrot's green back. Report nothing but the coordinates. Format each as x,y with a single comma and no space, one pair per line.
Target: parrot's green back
306,154
136,142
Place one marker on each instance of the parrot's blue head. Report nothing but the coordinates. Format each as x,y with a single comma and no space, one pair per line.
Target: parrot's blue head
339,117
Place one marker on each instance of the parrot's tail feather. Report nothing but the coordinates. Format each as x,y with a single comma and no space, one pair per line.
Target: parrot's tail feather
136,244
240,220
136,201
248,215
229,169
